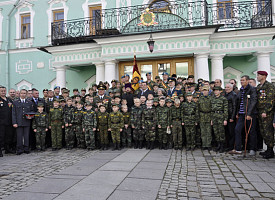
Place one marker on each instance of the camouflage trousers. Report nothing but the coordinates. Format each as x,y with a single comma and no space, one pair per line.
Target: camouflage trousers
177,134
103,135
266,129
219,130
40,137
150,134
162,135
126,136
80,137
89,137
138,134
115,132
69,136
190,131
206,136
198,135
56,133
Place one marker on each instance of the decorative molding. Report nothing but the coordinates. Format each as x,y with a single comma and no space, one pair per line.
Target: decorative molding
88,3
50,14
20,6
40,65
24,43
24,66
52,84
23,84
90,81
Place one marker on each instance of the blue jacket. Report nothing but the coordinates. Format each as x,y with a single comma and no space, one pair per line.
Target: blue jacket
19,110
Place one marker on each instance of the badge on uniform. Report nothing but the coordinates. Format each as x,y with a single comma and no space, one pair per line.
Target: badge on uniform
262,94
1,103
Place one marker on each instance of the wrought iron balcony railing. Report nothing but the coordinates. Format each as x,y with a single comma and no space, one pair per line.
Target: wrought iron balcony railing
180,14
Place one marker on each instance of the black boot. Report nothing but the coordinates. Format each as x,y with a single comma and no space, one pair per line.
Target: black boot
151,145
136,144
1,154
218,147
118,146
140,145
114,147
160,145
263,153
165,146
269,154
148,145
221,148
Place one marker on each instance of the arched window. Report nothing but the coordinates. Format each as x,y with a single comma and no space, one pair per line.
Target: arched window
160,6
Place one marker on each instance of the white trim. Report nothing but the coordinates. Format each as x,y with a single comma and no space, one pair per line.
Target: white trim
233,71
1,27
50,14
25,83
22,63
3,3
27,50
17,16
87,4
73,48
91,80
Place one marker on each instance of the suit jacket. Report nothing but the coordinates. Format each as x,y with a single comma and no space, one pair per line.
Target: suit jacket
40,100
250,92
5,111
146,93
19,110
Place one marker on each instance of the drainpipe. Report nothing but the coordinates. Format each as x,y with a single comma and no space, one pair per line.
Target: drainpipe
8,45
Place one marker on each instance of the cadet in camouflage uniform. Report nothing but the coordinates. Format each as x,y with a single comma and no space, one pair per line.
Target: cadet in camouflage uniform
190,118
149,124
56,124
68,117
176,117
116,125
169,104
89,125
219,109
163,122
196,97
102,126
77,125
126,132
40,125
136,123
265,105
204,108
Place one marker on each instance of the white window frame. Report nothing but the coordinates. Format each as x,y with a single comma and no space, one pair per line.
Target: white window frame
50,13
28,42
1,28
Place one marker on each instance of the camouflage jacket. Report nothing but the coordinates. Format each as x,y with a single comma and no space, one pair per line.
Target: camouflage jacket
163,117
116,120
126,118
190,113
204,108
149,117
266,98
77,117
176,114
106,101
56,114
136,117
103,119
68,114
89,118
219,108
40,120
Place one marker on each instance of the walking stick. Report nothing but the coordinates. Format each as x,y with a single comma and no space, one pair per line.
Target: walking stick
246,131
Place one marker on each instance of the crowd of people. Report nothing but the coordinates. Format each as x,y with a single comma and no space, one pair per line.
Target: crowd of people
172,112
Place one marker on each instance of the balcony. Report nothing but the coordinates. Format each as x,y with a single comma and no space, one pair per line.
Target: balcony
178,15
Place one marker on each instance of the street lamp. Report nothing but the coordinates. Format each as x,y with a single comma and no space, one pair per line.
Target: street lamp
150,43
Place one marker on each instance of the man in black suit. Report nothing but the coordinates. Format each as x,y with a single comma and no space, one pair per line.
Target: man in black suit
5,116
20,108
144,90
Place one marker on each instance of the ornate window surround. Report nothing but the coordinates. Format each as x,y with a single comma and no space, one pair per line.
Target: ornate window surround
1,28
24,43
50,14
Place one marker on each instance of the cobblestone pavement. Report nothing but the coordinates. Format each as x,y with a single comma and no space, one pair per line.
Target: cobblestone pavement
17,172
208,175
135,174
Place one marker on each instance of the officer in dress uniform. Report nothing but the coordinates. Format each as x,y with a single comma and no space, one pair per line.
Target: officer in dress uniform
20,108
